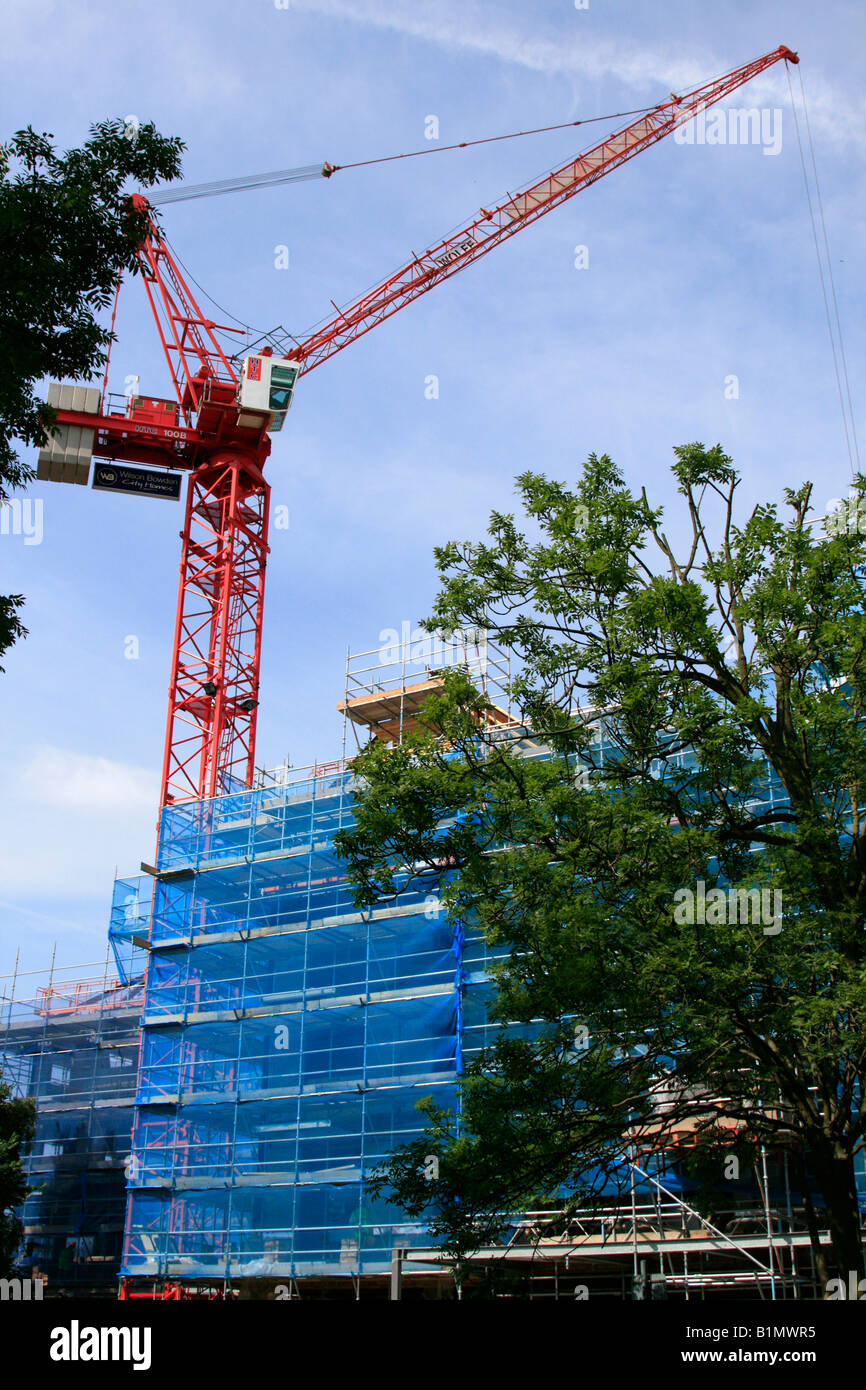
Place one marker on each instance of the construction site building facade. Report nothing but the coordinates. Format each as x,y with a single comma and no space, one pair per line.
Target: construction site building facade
286,1038
263,1047
73,1045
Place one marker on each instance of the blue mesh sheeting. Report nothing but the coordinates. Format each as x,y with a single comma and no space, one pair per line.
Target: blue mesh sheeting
74,1049
129,926
274,820
269,1231
287,1039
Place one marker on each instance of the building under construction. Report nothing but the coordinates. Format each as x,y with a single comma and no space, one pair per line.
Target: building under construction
73,1047
259,1045
210,1108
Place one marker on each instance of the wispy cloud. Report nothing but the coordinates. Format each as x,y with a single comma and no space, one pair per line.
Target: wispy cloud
466,29
49,918
647,68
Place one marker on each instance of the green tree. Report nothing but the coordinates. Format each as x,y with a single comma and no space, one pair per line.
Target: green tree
728,674
17,1124
68,230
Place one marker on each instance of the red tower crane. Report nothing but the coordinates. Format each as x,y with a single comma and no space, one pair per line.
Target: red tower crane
219,429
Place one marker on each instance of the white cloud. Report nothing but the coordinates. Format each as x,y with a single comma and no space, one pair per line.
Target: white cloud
68,820
78,781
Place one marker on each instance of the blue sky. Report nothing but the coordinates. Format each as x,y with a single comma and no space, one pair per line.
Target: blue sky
701,267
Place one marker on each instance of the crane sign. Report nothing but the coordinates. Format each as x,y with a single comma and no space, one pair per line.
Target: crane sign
218,428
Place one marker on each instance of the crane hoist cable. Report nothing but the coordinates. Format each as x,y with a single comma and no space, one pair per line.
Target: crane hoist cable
840,361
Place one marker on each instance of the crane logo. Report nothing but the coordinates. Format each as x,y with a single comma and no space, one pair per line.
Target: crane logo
454,252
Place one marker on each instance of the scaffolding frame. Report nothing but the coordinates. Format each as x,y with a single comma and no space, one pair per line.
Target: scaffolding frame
274,1041
286,1038
71,1041
385,688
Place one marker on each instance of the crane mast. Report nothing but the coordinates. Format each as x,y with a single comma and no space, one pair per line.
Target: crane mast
219,430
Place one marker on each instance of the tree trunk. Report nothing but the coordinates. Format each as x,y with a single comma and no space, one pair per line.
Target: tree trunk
819,1254
833,1166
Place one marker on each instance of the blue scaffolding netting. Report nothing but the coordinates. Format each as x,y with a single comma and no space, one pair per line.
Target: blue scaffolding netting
260,1050
286,1041
73,1045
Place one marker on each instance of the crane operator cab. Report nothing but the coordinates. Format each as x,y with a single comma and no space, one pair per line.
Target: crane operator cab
266,385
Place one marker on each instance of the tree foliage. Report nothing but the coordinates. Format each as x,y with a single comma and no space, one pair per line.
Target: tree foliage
17,1125
68,230
728,675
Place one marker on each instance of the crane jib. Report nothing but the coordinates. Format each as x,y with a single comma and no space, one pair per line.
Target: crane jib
218,429
518,210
